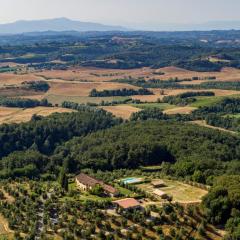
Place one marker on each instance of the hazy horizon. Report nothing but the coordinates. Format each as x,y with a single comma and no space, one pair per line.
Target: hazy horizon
144,14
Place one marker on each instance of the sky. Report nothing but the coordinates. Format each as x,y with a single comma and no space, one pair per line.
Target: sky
129,13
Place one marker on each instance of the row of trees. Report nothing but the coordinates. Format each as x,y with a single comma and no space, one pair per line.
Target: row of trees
186,98
175,84
120,92
23,102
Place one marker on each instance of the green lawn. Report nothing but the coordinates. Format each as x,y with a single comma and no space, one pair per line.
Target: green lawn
233,115
161,106
208,101
205,101
126,192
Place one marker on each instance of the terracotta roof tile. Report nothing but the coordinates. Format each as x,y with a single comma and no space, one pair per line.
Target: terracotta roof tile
91,182
127,203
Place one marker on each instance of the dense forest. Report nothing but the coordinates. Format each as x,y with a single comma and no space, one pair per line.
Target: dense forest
154,142
123,50
44,134
222,204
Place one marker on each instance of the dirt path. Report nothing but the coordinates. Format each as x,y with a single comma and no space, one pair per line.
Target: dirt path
204,124
40,214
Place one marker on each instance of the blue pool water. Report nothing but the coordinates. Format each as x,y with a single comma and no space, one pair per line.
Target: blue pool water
131,180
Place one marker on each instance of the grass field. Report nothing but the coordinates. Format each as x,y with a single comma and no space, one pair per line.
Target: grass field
161,106
181,192
233,115
17,115
207,101
179,110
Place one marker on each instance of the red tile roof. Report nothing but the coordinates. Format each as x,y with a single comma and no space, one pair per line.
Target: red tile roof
127,203
91,182
87,180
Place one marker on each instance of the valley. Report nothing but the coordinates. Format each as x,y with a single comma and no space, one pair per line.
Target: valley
120,135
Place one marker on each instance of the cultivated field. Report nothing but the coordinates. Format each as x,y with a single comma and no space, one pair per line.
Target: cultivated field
96,74
7,79
84,88
179,110
76,84
123,111
173,92
227,74
80,81
17,115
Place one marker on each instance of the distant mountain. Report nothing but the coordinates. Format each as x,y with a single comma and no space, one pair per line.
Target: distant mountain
58,24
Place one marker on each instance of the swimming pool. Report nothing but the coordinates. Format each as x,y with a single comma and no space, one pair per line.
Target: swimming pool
131,180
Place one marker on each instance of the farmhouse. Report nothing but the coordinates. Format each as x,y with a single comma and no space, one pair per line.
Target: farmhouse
158,183
86,183
127,203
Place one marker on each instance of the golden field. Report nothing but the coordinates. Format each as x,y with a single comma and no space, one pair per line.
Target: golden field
17,115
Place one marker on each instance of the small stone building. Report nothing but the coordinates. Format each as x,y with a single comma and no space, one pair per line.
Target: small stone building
159,193
158,183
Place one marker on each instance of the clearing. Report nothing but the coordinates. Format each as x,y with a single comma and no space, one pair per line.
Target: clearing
179,110
123,111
